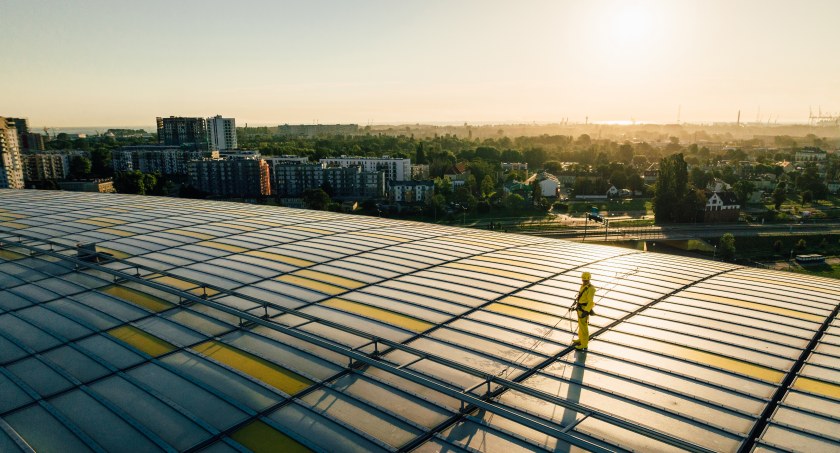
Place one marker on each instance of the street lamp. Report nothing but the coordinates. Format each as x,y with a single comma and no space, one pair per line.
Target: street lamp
714,255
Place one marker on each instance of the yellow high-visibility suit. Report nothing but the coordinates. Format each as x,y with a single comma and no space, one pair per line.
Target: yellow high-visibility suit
585,304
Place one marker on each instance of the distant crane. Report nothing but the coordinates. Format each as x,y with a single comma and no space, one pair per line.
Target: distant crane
822,120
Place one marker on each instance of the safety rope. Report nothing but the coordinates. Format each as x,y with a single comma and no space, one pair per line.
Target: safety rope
572,325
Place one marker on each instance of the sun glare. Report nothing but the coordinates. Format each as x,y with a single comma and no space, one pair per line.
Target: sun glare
630,25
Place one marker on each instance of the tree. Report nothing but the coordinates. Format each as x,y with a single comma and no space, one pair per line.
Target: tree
671,189
443,187
743,189
133,182
487,186
437,203
79,167
511,155
463,196
554,167
488,153
727,247
535,157
316,199
421,154
625,153
810,180
514,202
779,195
618,179
807,196
700,178
100,159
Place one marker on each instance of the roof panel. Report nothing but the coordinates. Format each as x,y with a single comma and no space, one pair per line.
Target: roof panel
390,334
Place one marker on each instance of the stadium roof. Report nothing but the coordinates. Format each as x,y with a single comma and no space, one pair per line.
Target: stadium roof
224,327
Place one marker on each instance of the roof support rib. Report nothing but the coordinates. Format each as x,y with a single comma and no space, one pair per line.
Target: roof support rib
764,419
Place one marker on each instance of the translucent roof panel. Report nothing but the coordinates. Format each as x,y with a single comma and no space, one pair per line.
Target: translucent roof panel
213,326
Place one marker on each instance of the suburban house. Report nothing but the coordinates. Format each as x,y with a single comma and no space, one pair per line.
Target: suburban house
721,207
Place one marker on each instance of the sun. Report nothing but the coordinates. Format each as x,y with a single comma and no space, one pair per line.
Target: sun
630,25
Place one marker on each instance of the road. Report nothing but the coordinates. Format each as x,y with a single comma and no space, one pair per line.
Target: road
596,231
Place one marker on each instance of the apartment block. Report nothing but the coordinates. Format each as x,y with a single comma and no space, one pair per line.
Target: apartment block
11,165
45,166
395,169
222,132
411,191
230,178
292,178
167,160
183,132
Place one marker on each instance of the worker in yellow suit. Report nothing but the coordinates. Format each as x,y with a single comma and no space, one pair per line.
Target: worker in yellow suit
584,304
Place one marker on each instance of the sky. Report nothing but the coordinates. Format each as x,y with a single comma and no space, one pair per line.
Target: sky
122,63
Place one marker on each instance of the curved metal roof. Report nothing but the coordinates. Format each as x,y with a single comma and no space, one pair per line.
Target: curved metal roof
224,326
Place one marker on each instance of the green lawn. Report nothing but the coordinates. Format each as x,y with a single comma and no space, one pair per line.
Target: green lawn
635,204
824,270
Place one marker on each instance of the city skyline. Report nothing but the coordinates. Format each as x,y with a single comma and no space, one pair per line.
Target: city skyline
117,63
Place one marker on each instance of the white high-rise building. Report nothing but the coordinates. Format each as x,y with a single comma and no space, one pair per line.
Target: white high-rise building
11,165
222,133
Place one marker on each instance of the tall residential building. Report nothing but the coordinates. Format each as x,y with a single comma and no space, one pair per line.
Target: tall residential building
26,140
45,166
167,160
183,131
11,166
222,133
233,177
395,169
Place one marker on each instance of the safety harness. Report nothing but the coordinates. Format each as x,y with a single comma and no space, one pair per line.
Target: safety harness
579,306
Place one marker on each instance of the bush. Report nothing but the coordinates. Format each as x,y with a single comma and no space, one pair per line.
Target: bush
561,208
801,244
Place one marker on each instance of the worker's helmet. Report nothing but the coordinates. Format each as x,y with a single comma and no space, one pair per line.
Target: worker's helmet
585,276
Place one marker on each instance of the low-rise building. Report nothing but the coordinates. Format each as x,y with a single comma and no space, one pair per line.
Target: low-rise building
810,155
548,184
651,175
411,191
90,185
420,171
721,207
515,166
718,185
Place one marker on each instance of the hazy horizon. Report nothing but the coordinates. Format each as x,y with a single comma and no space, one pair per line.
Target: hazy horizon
99,62
152,127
